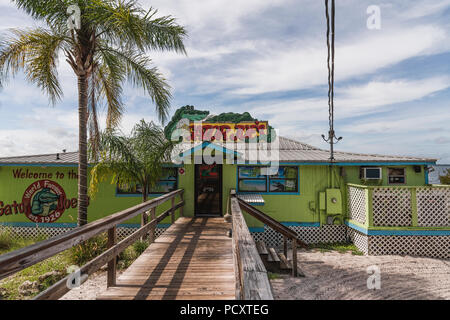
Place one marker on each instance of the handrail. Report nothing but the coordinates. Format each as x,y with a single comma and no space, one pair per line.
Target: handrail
252,282
18,260
264,218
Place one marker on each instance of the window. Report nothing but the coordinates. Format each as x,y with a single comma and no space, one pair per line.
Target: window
396,176
255,179
252,179
167,183
370,173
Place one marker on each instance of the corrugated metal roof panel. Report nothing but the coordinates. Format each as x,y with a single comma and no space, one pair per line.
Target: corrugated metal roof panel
53,158
289,150
253,198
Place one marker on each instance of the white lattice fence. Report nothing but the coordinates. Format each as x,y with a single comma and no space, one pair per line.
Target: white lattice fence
392,207
433,207
32,232
357,204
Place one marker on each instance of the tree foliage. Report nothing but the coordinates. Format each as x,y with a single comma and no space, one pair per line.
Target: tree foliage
445,179
109,48
137,158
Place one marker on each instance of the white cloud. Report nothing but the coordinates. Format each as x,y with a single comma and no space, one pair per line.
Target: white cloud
352,101
425,8
304,65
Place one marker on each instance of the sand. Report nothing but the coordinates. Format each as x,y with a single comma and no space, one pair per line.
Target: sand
89,290
343,276
333,275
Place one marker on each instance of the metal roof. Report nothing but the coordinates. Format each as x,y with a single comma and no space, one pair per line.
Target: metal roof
295,151
289,151
52,158
253,198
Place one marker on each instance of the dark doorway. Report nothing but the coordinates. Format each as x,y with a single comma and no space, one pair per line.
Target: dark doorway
208,190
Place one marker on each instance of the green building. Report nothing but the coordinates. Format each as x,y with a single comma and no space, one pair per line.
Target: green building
382,203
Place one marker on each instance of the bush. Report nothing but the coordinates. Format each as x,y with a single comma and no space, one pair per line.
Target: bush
445,179
5,240
88,250
139,247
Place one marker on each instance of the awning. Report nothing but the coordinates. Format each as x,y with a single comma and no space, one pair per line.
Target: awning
253,198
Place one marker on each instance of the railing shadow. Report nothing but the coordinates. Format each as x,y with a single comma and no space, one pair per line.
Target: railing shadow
175,283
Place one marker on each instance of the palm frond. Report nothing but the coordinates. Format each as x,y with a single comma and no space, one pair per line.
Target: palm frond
137,158
140,73
110,74
36,52
127,23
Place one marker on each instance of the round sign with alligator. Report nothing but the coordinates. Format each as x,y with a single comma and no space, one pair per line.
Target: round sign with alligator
43,201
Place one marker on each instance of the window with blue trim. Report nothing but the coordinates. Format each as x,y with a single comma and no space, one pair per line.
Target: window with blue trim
255,179
167,183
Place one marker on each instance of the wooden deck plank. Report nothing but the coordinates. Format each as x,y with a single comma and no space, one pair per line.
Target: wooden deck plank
192,259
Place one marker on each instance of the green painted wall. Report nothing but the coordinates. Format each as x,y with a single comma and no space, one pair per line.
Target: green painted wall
286,208
105,202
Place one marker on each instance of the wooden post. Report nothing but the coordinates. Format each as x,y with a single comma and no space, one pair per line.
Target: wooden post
172,214
144,221
153,227
294,257
415,217
182,199
112,267
285,246
369,207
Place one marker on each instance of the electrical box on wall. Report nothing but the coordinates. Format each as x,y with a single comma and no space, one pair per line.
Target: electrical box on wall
333,201
322,201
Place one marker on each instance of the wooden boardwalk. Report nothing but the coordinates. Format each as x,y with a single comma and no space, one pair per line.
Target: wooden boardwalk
192,259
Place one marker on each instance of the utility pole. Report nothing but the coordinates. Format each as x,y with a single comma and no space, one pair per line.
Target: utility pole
331,139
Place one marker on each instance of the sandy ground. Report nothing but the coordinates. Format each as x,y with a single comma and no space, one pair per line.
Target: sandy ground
341,276
334,275
89,290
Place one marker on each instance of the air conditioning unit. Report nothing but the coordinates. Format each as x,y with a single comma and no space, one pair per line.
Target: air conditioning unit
371,173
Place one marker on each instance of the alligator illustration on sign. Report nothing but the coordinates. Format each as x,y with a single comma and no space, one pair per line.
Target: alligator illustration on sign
42,200
188,112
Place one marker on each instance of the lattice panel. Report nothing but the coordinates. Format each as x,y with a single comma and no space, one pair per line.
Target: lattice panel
125,232
357,204
392,207
425,246
32,232
433,207
361,241
325,234
258,236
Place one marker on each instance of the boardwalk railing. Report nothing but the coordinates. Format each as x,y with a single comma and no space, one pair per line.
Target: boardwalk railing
18,260
416,207
287,233
252,282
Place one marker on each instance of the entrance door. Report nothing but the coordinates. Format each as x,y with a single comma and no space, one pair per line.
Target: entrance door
208,189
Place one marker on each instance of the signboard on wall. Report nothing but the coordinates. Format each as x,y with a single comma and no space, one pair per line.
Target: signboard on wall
227,131
43,200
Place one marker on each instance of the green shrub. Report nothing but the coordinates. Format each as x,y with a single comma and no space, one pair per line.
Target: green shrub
139,247
130,254
341,247
88,250
5,240
273,276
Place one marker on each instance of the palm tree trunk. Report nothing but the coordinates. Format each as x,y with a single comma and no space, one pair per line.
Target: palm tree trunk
82,149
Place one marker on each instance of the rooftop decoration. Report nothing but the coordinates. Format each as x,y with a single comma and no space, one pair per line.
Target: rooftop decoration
188,112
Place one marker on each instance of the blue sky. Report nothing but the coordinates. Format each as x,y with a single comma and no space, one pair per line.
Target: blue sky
269,58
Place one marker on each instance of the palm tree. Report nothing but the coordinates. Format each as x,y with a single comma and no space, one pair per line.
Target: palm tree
109,48
137,159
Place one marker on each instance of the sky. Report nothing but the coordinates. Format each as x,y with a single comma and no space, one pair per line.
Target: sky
392,89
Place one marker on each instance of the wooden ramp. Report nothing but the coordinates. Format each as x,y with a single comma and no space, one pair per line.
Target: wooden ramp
192,259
